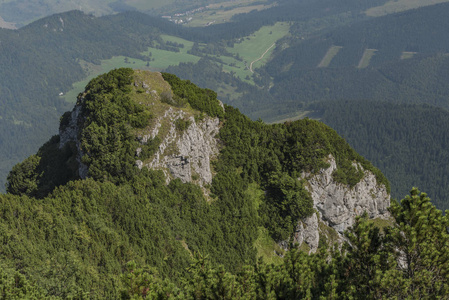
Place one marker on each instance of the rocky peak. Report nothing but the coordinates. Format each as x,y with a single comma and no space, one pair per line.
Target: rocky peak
183,153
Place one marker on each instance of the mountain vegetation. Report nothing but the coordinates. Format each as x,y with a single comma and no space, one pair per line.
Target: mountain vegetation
125,233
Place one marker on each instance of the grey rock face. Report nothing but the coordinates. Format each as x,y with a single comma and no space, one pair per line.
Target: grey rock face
69,133
307,231
338,204
188,154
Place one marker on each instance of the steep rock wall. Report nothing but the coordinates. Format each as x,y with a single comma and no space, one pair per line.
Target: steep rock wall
69,132
337,205
185,155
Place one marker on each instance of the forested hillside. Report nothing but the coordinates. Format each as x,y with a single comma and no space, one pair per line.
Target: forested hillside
405,62
417,80
125,233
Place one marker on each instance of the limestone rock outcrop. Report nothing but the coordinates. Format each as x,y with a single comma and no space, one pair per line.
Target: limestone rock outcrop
307,231
185,155
337,205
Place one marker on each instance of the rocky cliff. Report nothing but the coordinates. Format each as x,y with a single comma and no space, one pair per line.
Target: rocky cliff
183,153
337,205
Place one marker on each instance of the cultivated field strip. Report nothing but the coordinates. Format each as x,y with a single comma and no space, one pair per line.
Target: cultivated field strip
366,58
330,54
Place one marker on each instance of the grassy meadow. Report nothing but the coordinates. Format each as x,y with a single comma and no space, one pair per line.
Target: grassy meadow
330,54
407,55
366,58
251,47
395,6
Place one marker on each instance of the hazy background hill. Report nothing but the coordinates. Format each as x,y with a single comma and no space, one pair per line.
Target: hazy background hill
22,12
398,58
272,61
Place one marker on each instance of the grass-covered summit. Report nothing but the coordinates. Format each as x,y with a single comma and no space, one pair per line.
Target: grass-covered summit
74,237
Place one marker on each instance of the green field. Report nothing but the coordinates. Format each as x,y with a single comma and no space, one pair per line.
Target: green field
395,6
366,58
330,54
187,44
252,47
406,55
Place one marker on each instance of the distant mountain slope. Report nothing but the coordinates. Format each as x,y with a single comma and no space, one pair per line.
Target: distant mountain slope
421,79
23,12
420,30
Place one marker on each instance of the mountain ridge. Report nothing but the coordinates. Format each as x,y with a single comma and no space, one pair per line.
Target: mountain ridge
129,120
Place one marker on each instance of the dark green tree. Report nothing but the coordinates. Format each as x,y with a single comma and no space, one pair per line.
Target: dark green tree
24,177
420,242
